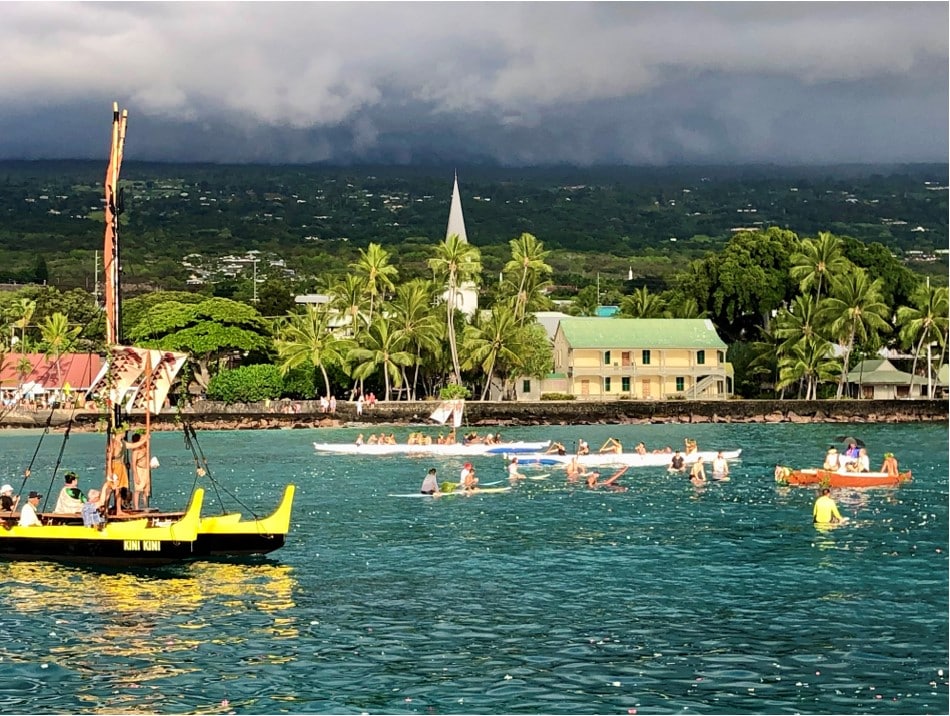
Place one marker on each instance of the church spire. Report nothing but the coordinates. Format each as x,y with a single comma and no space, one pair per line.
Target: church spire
456,220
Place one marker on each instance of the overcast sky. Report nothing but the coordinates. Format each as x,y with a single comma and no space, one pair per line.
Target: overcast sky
512,83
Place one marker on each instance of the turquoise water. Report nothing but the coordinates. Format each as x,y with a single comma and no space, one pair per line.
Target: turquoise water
547,599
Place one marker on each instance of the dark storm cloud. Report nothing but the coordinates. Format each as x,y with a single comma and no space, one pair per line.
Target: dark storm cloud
516,83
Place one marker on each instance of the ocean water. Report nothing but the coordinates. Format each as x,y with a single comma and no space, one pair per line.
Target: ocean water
549,599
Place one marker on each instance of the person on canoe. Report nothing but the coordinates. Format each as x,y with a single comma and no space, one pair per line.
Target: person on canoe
832,461
611,446
678,463
890,465
583,448
430,484
825,511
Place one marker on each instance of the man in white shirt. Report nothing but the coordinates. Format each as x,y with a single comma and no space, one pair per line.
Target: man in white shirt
28,516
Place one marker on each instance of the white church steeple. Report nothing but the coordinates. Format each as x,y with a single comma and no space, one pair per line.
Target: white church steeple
466,294
456,220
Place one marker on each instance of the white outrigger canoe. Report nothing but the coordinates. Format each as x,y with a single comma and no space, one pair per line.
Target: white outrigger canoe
631,459
473,449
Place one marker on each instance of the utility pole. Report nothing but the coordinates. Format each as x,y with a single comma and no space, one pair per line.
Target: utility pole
95,291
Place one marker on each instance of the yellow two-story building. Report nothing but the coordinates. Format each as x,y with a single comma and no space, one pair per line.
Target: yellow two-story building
640,358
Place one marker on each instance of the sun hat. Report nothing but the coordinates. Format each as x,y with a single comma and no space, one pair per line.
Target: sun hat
34,494
467,465
6,490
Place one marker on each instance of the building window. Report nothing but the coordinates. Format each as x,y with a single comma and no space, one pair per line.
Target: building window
606,357
721,357
646,358
625,384
526,386
680,382
700,357
606,385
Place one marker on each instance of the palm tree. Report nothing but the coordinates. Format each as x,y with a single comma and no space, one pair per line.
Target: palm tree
855,311
413,319
528,263
817,260
799,322
808,362
685,307
57,337
925,323
381,346
307,339
492,342
457,261
642,304
25,309
378,274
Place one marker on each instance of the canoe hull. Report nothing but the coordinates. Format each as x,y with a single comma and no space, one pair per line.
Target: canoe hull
136,542
827,478
425,450
625,458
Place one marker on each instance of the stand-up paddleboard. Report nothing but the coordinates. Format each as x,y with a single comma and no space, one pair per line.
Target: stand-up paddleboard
453,493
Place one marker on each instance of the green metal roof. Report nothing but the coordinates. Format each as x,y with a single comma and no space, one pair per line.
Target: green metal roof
884,377
693,333
870,365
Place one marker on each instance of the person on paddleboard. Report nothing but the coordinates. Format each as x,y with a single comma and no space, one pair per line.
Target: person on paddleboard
513,473
430,484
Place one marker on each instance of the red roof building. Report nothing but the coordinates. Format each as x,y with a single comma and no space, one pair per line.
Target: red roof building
77,370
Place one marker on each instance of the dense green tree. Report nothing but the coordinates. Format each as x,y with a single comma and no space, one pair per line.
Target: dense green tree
247,384
211,332
274,298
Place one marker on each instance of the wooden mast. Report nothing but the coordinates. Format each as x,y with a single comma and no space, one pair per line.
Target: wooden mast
110,261
111,254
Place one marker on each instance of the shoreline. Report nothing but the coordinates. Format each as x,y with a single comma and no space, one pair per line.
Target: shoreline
303,414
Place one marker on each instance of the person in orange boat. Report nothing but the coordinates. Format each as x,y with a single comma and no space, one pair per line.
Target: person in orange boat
890,465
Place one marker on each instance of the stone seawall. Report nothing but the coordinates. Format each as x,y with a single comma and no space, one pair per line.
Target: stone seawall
306,414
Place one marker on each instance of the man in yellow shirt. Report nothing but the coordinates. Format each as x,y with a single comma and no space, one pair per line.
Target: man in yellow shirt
825,511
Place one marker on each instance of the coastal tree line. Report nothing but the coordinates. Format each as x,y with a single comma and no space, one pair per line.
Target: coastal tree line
797,314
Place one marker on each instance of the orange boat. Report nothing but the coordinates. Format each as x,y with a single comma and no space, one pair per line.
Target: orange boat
829,478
